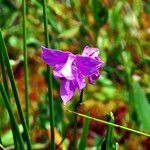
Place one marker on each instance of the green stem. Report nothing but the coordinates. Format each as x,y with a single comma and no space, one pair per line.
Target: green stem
4,74
49,80
7,91
25,62
76,121
13,120
111,124
14,88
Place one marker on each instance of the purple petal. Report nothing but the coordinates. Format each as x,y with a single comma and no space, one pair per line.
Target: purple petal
91,52
80,82
54,57
87,65
67,90
79,78
93,77
65,71
57,72
67,68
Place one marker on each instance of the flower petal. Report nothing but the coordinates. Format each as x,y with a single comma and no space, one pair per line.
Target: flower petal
65,71
54,57
67,68
87,65
80,82
93,77
67,90
78,78
91,52
57,72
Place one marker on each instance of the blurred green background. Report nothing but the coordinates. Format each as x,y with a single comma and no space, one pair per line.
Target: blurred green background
121,30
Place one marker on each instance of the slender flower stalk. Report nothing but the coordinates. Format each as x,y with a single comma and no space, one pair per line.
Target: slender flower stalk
25,62
13,120
15,91
7,91
76,121
111,124
49,80
71,70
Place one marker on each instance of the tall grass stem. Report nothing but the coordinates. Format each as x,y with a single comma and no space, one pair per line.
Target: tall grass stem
7,91
25,62
13,120
4,74
111,124
14,89
49,79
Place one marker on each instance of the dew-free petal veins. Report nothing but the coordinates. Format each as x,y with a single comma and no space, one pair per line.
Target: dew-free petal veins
54,57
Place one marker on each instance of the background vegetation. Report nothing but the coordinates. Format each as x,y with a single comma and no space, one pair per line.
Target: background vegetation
121,30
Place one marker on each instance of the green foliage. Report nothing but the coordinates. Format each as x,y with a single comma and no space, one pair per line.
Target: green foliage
99,12
82,142
7,138
108,143
70,32
120,29
141,106
4,117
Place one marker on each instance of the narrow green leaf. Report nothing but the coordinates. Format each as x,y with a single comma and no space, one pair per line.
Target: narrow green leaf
7,138
111,124
3,50
12,117
70,32
99,12
142,106
7,91
53,22
49,78
82,142
116,146
110,132
108,143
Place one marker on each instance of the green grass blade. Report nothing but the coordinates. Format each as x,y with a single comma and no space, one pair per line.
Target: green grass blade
111,124
100,13
83,139
7,91
12,118
116,147
25,62
4,74
110,132
49,80
108,143
14,88
142,106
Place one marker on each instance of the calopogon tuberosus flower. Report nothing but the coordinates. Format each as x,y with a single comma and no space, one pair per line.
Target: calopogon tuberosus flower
72,69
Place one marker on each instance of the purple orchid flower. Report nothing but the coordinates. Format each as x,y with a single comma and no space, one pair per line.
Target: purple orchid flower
72,69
